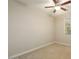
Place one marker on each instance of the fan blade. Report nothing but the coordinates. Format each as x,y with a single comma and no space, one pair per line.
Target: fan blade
67,2
54,11
49,6
55,1
63,9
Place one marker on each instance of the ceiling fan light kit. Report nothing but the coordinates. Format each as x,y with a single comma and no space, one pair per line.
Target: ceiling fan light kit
58,6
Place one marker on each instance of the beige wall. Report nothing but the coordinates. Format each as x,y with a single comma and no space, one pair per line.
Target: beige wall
29,27
61,37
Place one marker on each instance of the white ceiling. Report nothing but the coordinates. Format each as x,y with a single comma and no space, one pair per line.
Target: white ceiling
35,2
42,3
30,2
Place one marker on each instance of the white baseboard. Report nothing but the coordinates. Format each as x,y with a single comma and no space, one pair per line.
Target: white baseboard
42,46
65,44
31,50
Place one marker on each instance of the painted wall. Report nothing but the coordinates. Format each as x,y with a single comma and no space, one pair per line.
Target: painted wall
29,27
61,37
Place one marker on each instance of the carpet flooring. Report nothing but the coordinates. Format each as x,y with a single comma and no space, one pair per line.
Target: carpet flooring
54,51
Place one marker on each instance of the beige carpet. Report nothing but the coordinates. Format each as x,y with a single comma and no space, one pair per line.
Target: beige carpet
54,51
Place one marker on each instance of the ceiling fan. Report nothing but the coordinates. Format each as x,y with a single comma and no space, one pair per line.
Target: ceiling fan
58,6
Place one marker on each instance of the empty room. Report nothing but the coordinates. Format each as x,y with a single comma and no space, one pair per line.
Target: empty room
39,29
